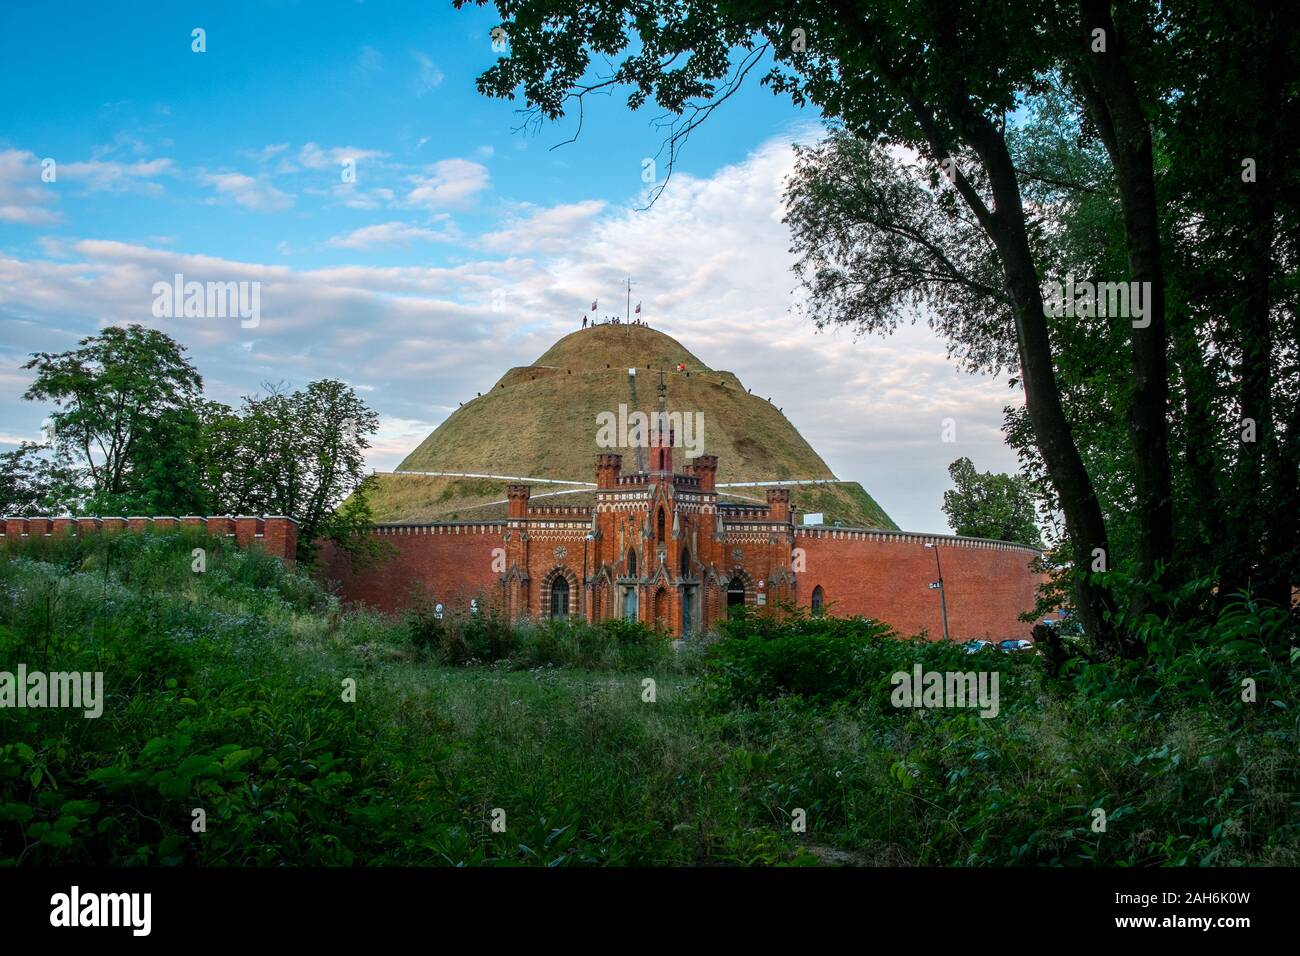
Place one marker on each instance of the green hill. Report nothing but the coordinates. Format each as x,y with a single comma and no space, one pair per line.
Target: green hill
540,421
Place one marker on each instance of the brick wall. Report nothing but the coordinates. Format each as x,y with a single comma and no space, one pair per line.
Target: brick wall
276,534
452,563
885,575
878,574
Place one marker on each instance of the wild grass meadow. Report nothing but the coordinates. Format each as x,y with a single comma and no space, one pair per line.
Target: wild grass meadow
469,741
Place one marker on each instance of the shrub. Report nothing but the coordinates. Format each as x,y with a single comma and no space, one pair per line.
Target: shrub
820,659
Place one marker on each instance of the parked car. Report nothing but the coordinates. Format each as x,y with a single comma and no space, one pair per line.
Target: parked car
1015,646
974,647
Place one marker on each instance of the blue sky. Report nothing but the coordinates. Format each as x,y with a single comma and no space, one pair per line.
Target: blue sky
462,248
388,84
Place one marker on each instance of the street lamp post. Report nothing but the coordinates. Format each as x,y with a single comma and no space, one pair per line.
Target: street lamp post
943,599
583,596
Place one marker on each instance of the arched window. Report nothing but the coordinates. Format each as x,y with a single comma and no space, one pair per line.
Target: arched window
559,598
661,524
685,568
631,562
736,591
818,601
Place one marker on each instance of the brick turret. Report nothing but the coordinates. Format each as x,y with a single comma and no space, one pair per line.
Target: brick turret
705,468
778,504
518,496
608,468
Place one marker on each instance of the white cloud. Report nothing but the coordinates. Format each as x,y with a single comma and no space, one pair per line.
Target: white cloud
247,191
449,183
388,234
267,153
556,229
354,197
427,75
370,60
23,196
99,175
395,439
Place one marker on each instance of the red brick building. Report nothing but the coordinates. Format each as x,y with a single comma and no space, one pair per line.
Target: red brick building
658,546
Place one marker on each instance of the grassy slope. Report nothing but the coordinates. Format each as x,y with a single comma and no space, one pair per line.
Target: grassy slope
418,498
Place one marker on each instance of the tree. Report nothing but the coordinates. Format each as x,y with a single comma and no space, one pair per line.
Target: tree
112,390
133,416
989,505
164,474
35,482
300,454
335,428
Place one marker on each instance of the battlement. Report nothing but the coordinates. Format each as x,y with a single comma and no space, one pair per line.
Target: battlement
276,534
570,510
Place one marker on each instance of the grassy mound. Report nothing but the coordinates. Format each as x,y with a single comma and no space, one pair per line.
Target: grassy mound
541,421
417,498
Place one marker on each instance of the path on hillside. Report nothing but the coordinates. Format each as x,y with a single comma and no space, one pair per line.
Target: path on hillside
470,474
578,491
775,483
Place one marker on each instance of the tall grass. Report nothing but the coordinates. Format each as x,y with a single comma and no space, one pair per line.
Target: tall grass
230,692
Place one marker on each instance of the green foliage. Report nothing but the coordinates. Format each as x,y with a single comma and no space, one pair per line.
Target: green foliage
820,660
1186,771
460,638
38,480
111,390
165,477
223,694
301,454
989,505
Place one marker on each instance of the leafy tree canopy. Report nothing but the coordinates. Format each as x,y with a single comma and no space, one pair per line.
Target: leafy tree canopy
990,505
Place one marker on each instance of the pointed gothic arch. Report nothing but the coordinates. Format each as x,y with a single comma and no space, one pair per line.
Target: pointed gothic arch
739,588
558,594
559,598
661,605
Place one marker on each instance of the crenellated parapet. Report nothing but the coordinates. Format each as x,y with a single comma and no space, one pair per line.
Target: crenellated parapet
275,534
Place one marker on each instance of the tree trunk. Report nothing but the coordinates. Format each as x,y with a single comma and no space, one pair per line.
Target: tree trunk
1055,438
1112,98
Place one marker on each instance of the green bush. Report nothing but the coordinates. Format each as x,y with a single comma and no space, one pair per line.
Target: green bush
821,660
